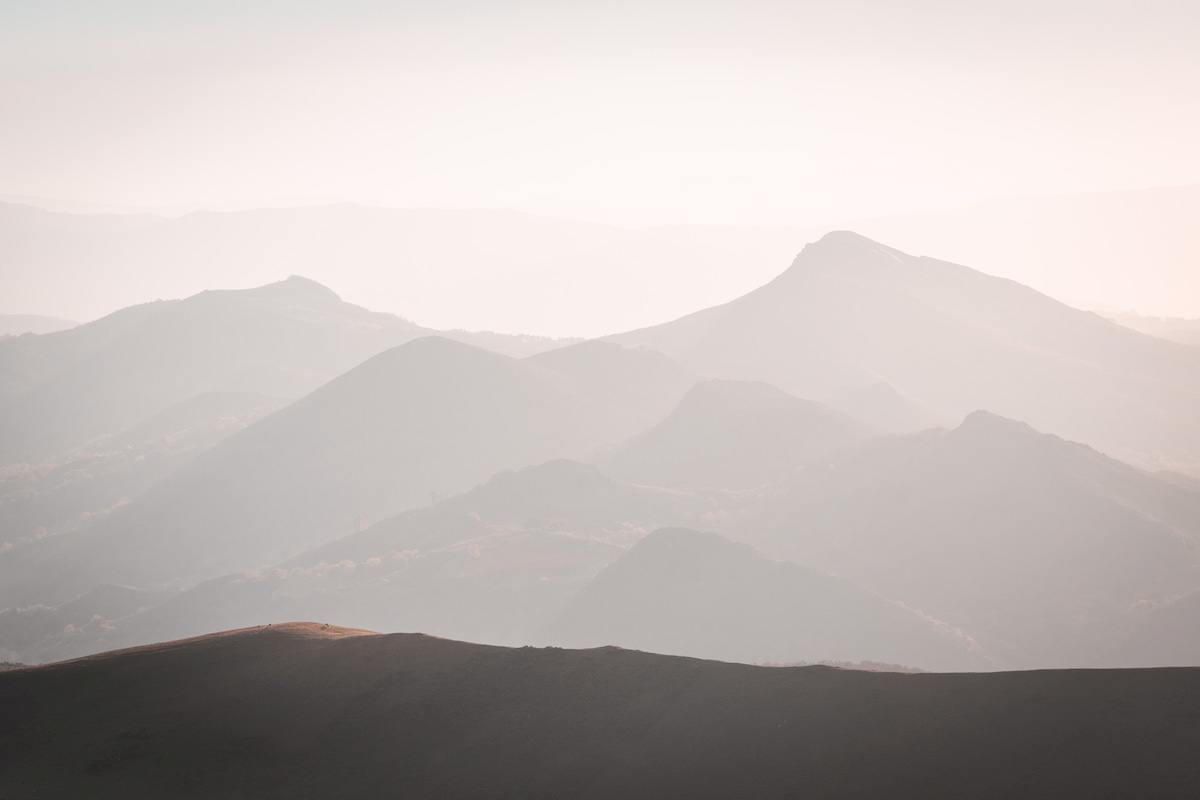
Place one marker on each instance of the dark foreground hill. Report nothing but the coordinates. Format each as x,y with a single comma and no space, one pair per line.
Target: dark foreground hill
302,710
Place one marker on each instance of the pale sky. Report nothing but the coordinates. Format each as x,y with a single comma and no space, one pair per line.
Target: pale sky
634,113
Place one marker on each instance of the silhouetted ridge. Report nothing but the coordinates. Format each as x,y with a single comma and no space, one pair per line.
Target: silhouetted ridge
308,710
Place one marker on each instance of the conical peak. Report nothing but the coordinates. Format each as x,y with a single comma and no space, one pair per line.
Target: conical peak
846,250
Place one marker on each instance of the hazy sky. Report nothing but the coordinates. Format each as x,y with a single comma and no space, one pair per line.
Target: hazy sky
635,113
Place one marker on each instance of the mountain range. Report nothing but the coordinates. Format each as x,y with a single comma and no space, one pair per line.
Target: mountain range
805,473
851,313
421,421
1045,550
1124,250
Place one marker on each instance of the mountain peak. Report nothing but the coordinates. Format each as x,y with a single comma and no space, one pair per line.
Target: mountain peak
983,420
846,254
297,289
846,249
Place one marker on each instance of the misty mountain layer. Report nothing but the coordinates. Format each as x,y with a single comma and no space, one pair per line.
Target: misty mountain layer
1046,551
851,313
425,420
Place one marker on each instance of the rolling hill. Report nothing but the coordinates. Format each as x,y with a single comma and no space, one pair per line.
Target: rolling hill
308,710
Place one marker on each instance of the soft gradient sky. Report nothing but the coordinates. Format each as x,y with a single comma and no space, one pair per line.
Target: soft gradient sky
632,113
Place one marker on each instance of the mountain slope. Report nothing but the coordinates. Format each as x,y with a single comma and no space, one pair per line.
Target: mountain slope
1120,249
18,324
1043,549
284,339
698,594
733,435
851,313
306,710
492,565
556,276
415,423
51,498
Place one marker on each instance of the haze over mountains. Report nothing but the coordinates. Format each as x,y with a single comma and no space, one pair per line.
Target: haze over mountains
1128,250
419,482
734,435
547,400
1131,250
1045,551
546,271
17,324
432,417
851,313
698,594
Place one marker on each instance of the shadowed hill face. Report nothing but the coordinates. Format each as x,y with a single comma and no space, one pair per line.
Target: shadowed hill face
734,435
698,594
430,418
1039,547
851,313
303,710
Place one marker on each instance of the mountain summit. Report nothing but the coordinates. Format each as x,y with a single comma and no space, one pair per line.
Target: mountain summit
851,313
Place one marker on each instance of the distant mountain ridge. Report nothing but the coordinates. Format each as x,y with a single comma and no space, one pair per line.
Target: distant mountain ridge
17,324
850,312
424,420
1044,550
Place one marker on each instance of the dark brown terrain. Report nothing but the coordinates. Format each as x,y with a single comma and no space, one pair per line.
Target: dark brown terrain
302,710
